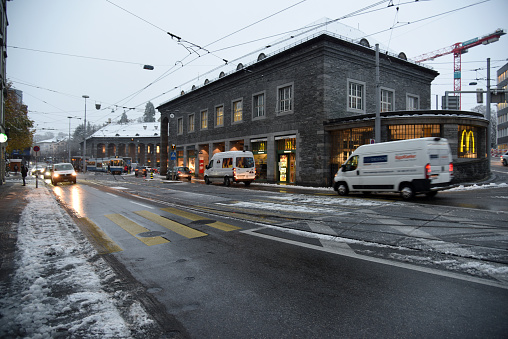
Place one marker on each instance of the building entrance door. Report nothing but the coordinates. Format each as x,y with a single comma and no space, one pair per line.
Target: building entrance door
287,168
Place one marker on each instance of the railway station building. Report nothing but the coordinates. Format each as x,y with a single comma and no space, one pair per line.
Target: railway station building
138,141
303,109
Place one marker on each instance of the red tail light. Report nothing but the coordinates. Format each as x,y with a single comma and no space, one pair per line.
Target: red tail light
427,171
234,173
450,168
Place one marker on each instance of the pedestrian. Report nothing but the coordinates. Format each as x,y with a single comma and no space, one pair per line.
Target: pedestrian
24,172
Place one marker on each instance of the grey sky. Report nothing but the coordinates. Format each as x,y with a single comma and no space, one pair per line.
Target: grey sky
59,50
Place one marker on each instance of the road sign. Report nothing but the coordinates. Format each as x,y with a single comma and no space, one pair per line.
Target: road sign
173,155
36,149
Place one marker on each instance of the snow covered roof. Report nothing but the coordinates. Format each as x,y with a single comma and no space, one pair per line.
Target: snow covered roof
144,129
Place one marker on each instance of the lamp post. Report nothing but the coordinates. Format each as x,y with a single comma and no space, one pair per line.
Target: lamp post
84,141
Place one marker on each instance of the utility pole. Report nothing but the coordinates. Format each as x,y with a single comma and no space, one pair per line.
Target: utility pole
487,113
377,123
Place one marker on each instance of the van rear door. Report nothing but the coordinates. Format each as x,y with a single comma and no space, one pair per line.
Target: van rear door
245,168
440,160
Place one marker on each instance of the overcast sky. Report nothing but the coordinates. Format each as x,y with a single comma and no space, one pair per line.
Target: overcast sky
60,50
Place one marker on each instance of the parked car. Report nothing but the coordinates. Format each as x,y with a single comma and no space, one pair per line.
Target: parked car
504,159
140,170
38,170
63,172
180,172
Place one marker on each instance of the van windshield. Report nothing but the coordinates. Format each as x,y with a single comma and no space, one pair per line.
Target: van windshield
244,162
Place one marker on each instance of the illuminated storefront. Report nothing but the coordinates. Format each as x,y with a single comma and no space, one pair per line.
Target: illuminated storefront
286,163
465,132
260,158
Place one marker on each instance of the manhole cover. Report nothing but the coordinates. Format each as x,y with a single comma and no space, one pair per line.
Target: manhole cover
200,222
150,234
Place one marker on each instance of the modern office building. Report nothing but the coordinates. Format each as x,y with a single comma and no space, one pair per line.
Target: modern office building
502,109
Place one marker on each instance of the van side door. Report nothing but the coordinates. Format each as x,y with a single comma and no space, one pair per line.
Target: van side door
351,172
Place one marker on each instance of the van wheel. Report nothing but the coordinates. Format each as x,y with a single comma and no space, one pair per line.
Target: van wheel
342,189
407,192
227,182
207,181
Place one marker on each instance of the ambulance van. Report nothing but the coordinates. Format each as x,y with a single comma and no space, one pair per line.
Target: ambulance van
232,166
410,167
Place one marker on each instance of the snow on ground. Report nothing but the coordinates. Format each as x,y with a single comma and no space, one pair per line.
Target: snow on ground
58,288
305,204
478,187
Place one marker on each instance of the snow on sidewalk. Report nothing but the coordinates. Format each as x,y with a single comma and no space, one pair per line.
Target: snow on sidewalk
59,285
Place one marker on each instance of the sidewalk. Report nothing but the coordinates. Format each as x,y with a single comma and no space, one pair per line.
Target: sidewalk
53,283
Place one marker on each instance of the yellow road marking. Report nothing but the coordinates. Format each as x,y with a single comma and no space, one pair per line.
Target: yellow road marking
100,240
194,217
134,229
171,225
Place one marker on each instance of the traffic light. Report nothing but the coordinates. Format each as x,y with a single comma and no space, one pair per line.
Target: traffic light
173,147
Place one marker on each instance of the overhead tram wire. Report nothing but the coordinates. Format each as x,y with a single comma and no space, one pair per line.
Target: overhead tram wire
309,28
429,17
192,44
357,12
180,40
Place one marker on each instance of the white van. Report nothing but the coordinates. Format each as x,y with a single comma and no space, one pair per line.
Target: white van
232,166
407,166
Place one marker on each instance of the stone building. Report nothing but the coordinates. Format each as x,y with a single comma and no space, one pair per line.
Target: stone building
304,109
138,141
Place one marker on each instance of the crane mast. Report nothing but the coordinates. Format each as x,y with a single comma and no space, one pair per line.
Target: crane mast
458,49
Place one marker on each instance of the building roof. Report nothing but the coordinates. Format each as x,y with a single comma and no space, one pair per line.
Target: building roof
322,27
144,129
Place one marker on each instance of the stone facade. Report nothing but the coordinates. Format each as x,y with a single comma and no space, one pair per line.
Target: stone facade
302,89
140,142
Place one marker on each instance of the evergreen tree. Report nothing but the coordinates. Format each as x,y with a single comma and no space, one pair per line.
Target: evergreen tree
149,115
123,118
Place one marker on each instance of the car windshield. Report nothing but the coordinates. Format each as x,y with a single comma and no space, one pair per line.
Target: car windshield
64,167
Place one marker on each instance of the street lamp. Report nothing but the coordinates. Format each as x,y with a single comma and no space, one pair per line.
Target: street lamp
69,140
84,142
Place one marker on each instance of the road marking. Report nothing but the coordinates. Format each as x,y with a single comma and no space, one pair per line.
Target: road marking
352,254
171,225
143,205
113,195
134,229
194,217
329,243
100,240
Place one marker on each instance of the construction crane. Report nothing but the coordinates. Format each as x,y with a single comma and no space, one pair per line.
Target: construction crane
458,49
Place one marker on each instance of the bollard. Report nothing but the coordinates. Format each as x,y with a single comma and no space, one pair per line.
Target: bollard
151,175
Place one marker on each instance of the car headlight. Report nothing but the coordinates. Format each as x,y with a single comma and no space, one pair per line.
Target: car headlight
74,174
56,175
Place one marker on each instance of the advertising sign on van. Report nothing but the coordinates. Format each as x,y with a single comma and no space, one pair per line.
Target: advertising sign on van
405,157
375,159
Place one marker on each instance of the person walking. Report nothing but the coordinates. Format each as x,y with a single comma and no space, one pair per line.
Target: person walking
24,172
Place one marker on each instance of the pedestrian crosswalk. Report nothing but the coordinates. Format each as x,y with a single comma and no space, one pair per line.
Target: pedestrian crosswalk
179,223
